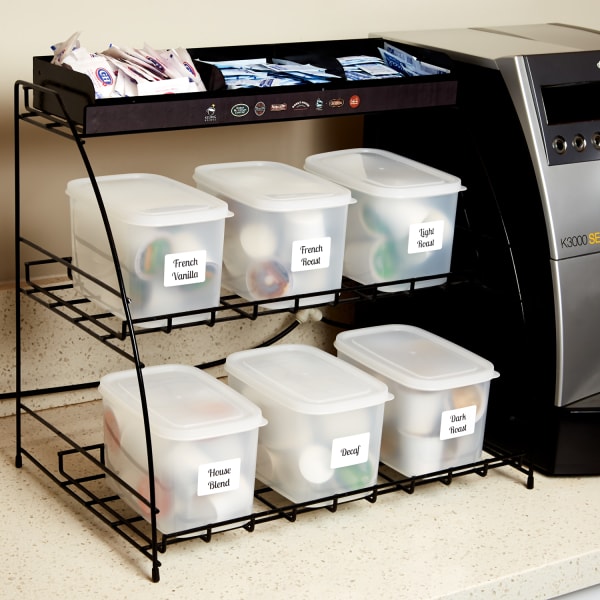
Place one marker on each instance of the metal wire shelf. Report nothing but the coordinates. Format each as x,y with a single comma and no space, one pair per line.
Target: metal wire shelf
89,488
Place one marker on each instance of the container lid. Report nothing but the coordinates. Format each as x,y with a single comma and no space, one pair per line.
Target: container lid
306,380
150,200
184,403
414,357
270,186
381,173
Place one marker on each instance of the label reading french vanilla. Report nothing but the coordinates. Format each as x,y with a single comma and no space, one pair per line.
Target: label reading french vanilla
424,237
350,450
458,422
184,268
222,476
311,254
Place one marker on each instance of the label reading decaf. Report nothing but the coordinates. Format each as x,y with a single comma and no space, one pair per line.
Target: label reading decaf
311,254
425,237
350,450
458,422
184,268
217,477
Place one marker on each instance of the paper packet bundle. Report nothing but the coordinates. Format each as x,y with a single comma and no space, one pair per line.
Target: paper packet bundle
123,71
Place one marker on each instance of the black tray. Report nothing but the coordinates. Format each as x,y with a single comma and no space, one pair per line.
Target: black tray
219,106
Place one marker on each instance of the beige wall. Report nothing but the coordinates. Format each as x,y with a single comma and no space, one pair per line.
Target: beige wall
30,30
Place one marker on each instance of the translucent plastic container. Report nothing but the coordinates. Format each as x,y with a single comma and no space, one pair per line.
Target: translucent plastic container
169,238
288,230
437,418
204,439
402,225
324,419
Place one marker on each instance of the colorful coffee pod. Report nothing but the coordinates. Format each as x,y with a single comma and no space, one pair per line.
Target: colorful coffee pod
150,259
164,499
385,260
112,433
356,477
268,279
470,395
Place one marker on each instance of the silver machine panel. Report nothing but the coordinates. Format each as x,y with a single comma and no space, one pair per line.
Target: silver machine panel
544,172
552,72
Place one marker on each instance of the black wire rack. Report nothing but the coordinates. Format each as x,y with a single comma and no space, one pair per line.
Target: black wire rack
80,470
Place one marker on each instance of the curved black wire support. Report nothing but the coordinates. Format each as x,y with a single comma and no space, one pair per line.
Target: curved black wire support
26,89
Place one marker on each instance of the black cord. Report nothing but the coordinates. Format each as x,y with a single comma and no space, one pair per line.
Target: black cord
269,342
337,324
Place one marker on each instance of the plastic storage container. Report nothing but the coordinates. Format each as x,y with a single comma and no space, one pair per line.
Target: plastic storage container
437,418
324,420
287,235
204,438
402,225
169,238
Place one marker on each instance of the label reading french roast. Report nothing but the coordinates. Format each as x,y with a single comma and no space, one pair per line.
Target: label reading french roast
311,254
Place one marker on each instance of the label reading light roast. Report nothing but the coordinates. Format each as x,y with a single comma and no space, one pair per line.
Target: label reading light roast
458,422
424,237
222,476
184,268
350,450
311,254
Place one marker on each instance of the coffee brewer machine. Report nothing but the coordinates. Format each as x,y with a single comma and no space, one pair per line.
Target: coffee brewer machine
525,140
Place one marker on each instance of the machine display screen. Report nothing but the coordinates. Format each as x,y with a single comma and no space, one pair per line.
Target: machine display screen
572,102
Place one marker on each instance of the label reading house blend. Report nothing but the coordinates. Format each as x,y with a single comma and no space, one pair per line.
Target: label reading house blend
311,254
458,422
222,476
184,268
424,237
350,450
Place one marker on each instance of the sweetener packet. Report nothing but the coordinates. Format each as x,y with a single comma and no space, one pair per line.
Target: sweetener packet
101,72
188,64
138,68
176,64
62,49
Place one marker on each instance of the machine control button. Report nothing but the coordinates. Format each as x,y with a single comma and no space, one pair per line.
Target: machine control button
579,142
559,144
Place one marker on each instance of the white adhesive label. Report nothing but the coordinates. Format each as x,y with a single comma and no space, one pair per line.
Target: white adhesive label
311,254
184,268
351,450
425,237
222,476
458,422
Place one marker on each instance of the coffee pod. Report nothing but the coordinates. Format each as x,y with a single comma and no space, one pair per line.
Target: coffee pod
258,241
268,279
314,464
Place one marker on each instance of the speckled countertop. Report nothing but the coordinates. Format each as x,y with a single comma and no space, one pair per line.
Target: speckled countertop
478,538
